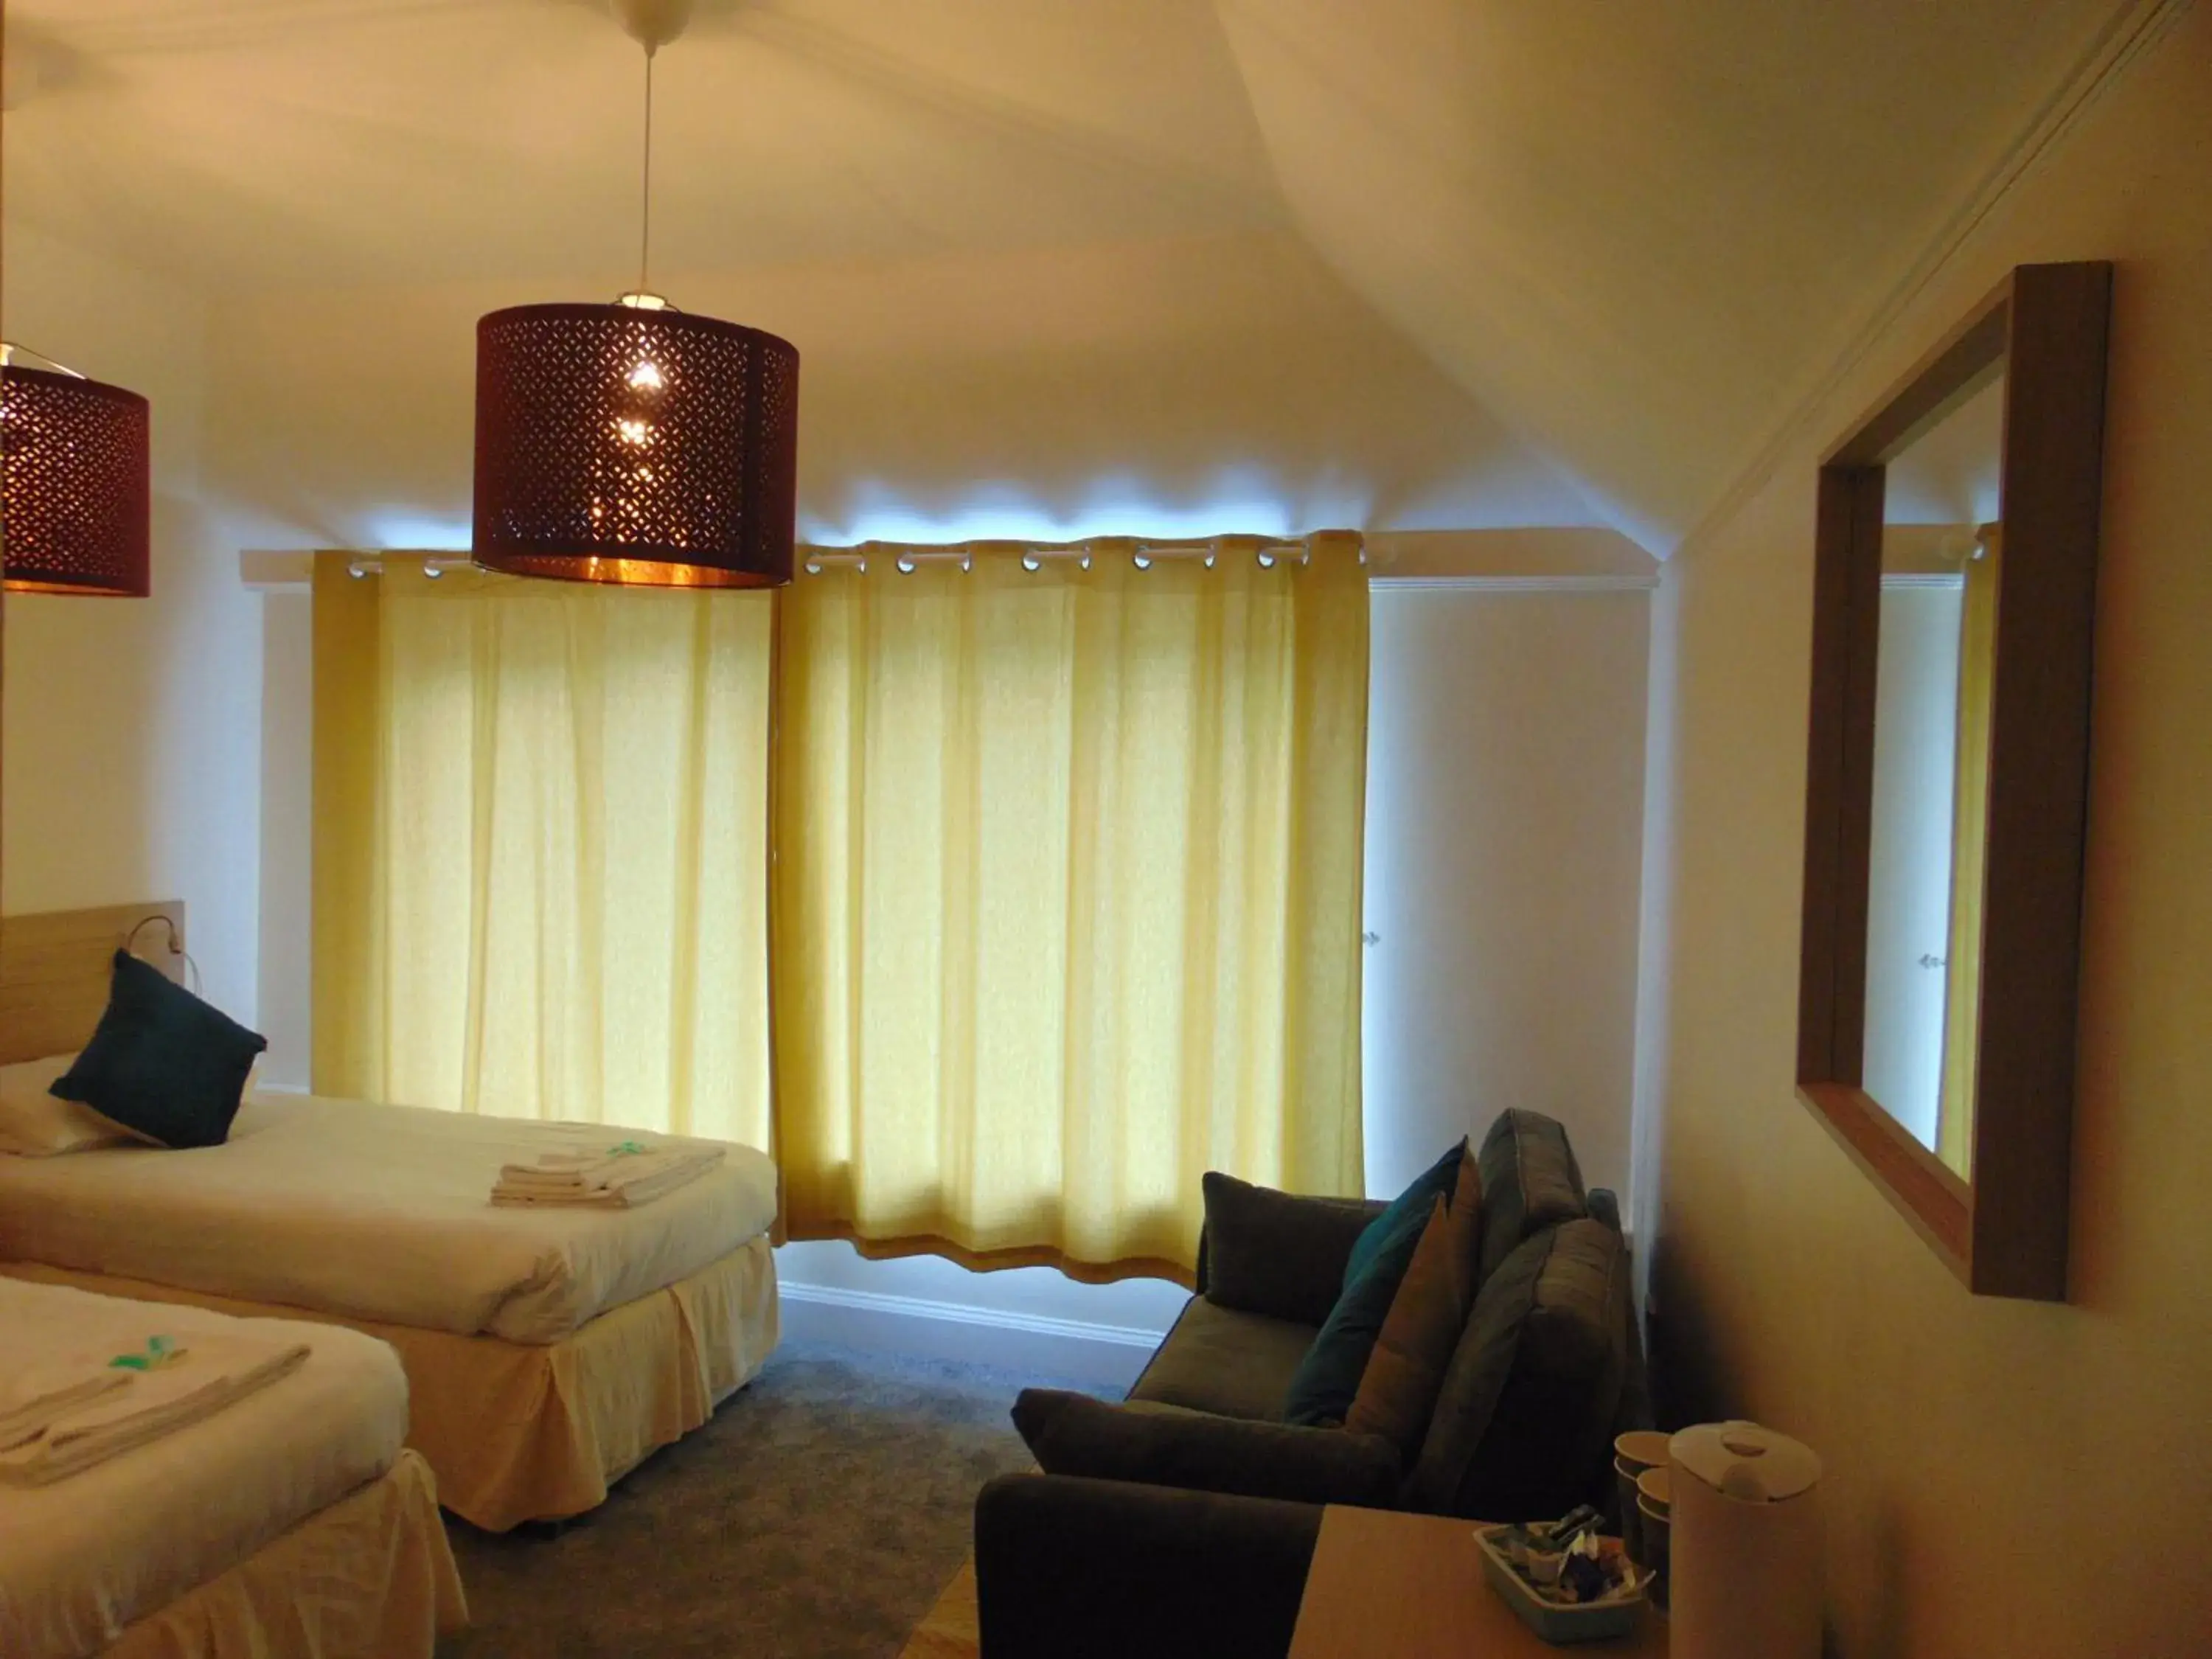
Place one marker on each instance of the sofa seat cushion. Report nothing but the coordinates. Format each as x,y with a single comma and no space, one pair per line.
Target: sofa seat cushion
1530,1182
1524,1427
1199,1451
1226,1361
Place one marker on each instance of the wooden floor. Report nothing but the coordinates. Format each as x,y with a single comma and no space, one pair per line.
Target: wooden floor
949,1630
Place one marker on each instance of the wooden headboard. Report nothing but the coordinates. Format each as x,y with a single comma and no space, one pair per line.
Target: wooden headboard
54,971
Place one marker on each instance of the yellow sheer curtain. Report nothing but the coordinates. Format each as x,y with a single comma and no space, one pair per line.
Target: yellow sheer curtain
1066,899
1969,818
540,848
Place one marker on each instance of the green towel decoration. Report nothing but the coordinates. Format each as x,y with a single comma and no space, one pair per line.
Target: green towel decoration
160,1351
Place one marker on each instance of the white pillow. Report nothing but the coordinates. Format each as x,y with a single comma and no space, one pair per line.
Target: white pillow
35,1123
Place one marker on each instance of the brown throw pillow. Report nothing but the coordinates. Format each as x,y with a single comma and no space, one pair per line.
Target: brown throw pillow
1405,1373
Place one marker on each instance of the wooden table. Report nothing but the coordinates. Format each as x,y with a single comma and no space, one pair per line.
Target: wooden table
1411,1587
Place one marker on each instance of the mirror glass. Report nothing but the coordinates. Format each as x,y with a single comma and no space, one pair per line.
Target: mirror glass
1940,543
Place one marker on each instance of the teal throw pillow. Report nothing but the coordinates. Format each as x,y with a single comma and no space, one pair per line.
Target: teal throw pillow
1327,1378
162,1063
1413,1205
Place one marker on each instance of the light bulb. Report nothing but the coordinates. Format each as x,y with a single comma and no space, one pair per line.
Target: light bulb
634,432
647,376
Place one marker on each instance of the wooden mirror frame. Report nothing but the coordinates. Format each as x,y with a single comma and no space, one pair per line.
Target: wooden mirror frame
2004,1231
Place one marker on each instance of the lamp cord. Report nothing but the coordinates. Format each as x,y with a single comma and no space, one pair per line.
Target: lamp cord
176,945
645,216
10,349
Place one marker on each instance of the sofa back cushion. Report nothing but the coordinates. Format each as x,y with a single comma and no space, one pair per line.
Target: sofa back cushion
1530,1182
1524,1427
1271,1253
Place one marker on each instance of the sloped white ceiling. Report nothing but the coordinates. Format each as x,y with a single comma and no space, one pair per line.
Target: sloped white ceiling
284,142
1634,227
1564,262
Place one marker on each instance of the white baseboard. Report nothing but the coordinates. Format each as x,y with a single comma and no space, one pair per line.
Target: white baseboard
1108,1355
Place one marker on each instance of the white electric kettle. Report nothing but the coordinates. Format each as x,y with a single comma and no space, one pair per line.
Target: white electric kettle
1744,1559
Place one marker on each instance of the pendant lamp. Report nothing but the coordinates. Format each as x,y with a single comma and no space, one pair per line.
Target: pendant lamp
76,484
634,442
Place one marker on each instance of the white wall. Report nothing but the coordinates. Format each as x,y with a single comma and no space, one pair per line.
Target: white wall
1971,1442
286,841
132,726
1504,828
1034,1319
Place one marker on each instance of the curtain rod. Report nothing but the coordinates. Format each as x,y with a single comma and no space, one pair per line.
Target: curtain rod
435,565
1267,549
816,559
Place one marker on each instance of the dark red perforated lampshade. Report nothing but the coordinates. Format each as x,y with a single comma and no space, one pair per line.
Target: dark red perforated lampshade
651,447
77,485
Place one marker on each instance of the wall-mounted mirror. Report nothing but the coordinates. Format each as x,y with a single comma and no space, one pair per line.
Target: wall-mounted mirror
1948,779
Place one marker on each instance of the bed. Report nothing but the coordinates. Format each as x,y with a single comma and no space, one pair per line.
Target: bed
548,1350
293,1520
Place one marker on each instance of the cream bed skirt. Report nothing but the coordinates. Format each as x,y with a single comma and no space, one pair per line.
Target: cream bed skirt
370,1577
518,1431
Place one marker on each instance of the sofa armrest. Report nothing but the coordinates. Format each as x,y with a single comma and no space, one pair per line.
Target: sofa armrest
1074,1434
1074,1568
1274,1253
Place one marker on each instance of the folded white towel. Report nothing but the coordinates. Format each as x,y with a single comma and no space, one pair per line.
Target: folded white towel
32,1399
616,1179
629,1172
168,1386
626,1196
590,1164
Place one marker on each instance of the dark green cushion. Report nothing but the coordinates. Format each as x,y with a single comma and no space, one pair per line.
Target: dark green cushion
1523,1428
1530,1182
1162,1445
161,1063
1410,1209
1225,1361
1327,1378
1273,1253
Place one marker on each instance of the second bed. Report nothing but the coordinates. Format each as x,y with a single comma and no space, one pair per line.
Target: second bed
548,1350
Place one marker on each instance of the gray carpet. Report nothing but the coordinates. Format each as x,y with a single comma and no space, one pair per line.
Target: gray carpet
818,1515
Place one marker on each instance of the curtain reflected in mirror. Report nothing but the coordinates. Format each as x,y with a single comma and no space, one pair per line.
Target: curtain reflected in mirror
1940,545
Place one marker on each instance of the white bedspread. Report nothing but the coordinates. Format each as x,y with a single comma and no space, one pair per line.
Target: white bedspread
84,1557
377,1212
